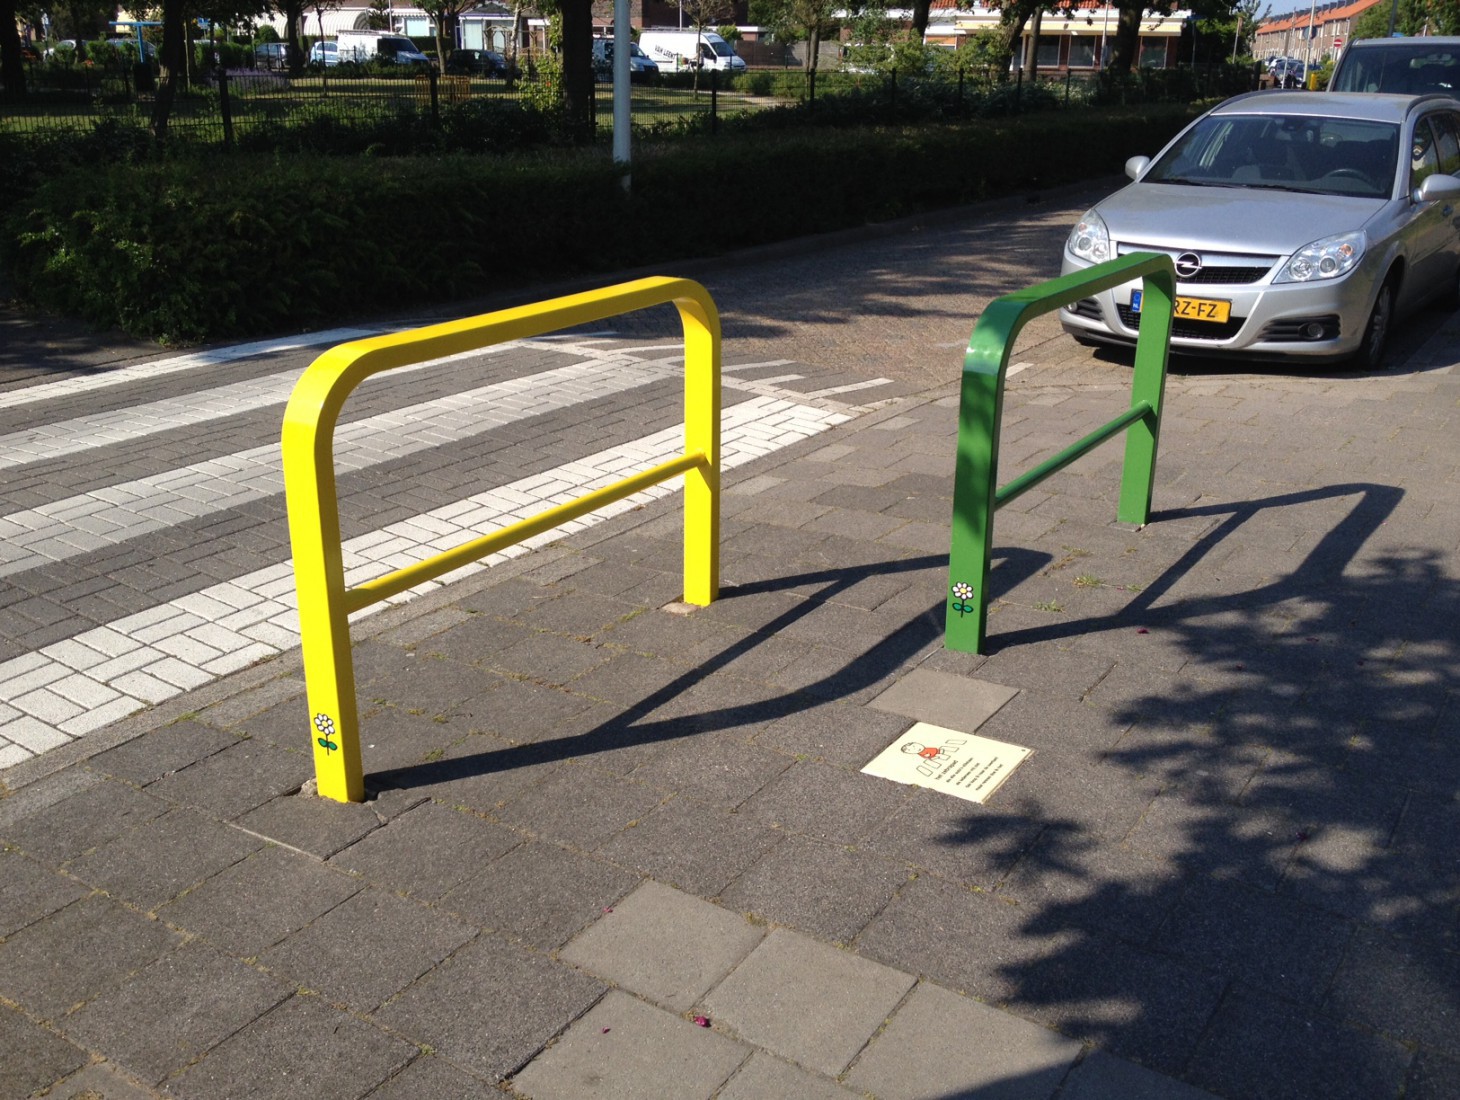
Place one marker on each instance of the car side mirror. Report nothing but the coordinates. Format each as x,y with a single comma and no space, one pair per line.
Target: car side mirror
1136,165
1437,186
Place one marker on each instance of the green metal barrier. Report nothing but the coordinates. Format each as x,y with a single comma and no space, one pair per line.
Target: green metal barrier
981,409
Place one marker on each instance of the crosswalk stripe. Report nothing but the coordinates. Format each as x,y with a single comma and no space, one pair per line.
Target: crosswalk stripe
108,516
78,685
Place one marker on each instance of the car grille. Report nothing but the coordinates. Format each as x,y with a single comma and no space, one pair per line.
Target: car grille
1229,276
1187,330
1291,329
1085,307
1238,270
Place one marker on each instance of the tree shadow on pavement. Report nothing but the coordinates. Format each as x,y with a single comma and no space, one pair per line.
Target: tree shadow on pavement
1283,920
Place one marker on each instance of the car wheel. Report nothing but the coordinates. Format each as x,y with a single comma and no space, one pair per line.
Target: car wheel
1371,353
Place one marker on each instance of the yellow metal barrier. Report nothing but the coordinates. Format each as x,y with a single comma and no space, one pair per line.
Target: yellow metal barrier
314,523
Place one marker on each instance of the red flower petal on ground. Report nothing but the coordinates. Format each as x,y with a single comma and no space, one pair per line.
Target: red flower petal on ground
702,1021
1142,630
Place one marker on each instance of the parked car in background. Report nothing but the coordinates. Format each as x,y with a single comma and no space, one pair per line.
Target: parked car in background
1408,66
480,63
642,68
1301,226
273,56
364,46
682,49
326,54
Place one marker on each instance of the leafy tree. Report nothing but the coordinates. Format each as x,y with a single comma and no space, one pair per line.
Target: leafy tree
702,15
447,15
576,43
802,20
1410,19
377,17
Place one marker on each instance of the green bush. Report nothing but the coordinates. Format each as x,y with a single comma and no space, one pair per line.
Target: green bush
185,248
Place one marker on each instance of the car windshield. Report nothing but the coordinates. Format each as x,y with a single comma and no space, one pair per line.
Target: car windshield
1399,67
1324,156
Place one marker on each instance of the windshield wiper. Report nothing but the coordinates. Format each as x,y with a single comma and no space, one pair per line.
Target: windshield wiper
1190,182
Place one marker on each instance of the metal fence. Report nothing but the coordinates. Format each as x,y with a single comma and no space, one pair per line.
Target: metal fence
253,106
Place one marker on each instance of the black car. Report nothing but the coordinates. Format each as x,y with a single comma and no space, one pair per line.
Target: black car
479,63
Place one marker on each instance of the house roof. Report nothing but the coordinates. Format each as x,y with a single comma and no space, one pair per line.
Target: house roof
1329,13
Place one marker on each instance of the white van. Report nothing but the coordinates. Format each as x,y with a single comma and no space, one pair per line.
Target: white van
676,49
363,46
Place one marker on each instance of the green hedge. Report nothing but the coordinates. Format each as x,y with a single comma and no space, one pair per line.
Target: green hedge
187,249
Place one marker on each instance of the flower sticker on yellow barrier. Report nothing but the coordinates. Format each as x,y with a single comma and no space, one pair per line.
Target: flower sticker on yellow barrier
325,725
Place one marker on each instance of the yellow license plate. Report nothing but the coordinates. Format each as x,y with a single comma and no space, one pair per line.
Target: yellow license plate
1194,309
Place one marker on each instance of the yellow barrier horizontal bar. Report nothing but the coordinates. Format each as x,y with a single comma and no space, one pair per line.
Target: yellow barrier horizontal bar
382,588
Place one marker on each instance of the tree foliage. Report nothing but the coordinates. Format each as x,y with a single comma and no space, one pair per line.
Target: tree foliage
806,21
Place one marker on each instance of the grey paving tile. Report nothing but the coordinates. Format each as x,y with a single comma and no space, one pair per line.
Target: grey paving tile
997,1055
75,825
713,769
954,702
431,1076
825,890
237,779
35,1057
663,944
624,1049
427,851
1259,1045
764,1075
1402,988
101,1079
1432,1077
1102,1076
579,805
806,1001
1270,943
835,732
302,1045
259,900
367,948
30,892
22,800
174,1011
91,945
491,1006
693,845
319,826
539,892
162,751
826,802
153,863
974,844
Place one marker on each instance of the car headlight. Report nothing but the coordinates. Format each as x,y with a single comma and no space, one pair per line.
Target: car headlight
1090,240
1329,258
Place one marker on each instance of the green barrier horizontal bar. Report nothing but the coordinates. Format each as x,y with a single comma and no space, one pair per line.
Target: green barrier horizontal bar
1028,480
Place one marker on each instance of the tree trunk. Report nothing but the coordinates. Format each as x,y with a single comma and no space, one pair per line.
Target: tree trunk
12,64
578,67
293,16
1127,37
920,10
813,48
170,61
1033,65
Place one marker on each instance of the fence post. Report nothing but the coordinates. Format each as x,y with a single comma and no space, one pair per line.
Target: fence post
714,101
435,106
225,107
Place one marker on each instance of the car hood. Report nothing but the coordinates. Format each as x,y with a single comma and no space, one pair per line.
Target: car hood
1230,219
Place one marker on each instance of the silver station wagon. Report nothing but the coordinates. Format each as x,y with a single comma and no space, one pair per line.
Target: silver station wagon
1301,225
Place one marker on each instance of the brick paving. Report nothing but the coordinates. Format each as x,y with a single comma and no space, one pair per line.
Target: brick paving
613,849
